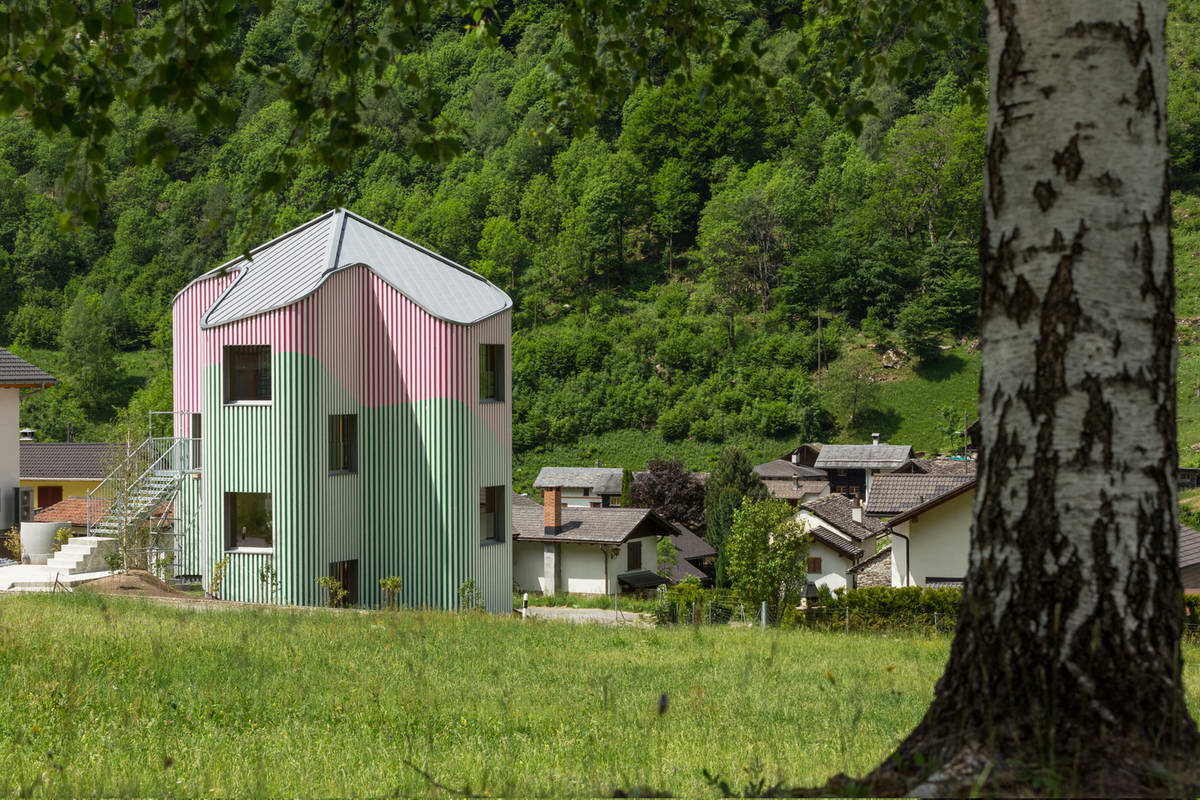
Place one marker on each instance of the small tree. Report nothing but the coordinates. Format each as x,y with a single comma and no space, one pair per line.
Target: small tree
390,586
767,553
337,592
668,556
626,488
849,389
733,480
671,490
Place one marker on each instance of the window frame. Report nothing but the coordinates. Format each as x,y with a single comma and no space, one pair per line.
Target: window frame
349,453
228,354
809,566
230,511
632,547
492,364
486,494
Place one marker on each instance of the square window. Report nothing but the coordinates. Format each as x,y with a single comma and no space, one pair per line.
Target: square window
491,514
491,372
635,555
248,520
343,442
247,373
814,566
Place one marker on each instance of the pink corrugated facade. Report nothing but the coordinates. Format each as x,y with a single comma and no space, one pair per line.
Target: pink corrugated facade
427,444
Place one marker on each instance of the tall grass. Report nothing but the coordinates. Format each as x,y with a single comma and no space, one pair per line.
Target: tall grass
102,696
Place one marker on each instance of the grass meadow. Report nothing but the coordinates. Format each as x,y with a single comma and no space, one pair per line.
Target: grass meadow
117,697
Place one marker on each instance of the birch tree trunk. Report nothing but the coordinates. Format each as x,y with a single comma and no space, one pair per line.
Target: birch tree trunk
1065,672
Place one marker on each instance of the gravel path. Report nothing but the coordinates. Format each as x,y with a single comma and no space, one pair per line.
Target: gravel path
601,615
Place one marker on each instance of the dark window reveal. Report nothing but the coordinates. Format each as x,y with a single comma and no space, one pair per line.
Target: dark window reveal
635,555
814,566
343,443
491,372
247,373
491,514
248,520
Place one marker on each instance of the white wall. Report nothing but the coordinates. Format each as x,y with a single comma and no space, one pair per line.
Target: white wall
583,569
528,568
10,453
574,497
939,543
833,567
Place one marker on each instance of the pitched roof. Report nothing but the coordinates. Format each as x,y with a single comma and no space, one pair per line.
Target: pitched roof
641,579
781,468
894,493
866,562
838,511
1189,546
524,500
691,546
291,267
686,569
939,466
16,372
72,510
67,460
795,490
955,491
601,480
863,456
590,525
838,543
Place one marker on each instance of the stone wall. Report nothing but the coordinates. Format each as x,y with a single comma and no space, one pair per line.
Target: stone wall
875,571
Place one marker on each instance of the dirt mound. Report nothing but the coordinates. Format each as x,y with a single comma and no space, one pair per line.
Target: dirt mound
135,582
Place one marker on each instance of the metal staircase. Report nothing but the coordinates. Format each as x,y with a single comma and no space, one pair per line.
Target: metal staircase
134,504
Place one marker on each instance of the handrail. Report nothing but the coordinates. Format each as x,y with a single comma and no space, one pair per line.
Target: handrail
156,454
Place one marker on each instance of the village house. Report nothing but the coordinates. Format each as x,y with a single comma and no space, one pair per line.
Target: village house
583,487
896,492
54,471
695,557
840,537
561,549
851,467
788,479
931,541
342,408
15,374
1189,560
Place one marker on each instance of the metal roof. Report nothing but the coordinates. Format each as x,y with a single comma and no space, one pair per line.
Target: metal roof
291,267
601,480
67,460
16,372
863,456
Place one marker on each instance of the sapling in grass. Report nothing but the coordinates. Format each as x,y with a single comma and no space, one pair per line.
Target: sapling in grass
390,586
470,597
337,592
218,577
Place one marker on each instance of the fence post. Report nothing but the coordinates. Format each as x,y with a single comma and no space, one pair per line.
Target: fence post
935,622
762,613
847,619
524,605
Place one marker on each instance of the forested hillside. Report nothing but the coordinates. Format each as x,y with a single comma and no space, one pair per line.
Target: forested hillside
695,270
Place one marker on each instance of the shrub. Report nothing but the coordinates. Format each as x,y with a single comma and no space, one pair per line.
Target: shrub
674,423
885,601
337,592
390,586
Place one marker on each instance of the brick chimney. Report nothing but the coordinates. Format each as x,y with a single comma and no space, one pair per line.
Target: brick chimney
552,509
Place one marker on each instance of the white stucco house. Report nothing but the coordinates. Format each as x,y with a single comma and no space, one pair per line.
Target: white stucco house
15,374
931,542
583,487
841,537
788,479
565,549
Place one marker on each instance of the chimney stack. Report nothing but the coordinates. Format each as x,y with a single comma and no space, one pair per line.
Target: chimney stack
796,459
552,509
874,438
856,509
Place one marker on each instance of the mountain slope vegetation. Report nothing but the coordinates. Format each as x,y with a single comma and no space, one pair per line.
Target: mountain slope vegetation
693,271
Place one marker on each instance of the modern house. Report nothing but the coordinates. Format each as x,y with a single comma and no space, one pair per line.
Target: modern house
931,541
851,467
53,471
792,481
342,408
583,487
15,374
841,537
561,549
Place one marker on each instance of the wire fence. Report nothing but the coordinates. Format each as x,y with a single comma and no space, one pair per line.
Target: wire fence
731,611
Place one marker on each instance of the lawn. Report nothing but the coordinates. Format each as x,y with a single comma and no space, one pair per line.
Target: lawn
116,697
